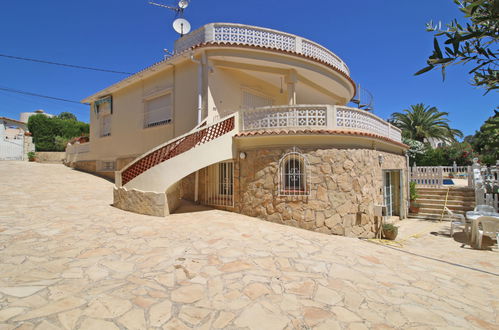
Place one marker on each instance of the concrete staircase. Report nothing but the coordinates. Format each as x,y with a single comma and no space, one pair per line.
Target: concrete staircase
432,200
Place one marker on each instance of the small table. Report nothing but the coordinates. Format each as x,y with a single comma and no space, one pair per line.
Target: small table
472,216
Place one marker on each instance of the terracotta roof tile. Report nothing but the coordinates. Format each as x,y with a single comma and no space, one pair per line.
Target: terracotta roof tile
318,132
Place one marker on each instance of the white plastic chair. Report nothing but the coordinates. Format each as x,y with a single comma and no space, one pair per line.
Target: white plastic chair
490,227
457,220
484,209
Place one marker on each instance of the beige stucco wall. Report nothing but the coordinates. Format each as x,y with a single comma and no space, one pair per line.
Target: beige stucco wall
128,135
222,90
226,90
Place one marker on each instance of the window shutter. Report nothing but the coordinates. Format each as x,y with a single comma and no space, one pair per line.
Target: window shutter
158,111
106,125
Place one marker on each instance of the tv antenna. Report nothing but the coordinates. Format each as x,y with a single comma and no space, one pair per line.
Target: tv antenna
180,24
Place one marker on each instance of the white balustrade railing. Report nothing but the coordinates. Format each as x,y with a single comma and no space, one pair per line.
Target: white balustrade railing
351,118
428,176
300,116
317,117
228,33
78,148
433,176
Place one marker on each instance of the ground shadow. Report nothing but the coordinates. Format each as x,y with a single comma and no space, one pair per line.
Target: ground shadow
191,207
94,174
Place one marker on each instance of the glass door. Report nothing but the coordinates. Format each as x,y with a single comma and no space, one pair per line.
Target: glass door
388,193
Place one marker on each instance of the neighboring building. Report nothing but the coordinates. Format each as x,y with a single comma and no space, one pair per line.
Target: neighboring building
25,115
250,120
15,141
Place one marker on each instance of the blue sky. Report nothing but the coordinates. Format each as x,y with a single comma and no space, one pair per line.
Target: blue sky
383,43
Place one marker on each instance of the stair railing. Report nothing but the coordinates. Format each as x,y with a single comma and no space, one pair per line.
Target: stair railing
176,147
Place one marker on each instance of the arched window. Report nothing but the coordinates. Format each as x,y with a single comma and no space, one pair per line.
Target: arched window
293,175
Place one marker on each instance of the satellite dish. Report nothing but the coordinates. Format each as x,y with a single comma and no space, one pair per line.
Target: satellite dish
181,26
183,4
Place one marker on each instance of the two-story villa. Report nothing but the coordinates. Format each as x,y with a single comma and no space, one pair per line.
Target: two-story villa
250,120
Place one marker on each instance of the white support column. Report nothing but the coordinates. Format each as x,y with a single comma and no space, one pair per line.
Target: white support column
200,85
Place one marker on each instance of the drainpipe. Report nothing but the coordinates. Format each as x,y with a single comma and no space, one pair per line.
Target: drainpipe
200,113
200,85
173,100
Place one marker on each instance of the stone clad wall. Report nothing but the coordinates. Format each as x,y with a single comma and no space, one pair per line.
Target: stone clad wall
345,186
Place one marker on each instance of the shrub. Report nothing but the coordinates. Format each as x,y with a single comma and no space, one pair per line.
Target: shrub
413,193
389,227
52,134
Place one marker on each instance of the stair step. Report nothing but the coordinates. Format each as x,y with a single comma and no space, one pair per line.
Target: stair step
425,217
441,197
435,213
454,193
442,201
439,210
451,188
441,206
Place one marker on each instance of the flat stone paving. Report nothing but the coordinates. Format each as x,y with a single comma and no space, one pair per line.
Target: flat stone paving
69,260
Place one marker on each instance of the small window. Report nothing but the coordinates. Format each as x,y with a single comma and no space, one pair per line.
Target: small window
158,111
293,175
106,166
104,106
105,125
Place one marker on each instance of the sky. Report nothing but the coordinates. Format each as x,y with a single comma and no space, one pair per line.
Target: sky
383,42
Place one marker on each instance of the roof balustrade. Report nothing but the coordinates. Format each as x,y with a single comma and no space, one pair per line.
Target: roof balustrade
238,34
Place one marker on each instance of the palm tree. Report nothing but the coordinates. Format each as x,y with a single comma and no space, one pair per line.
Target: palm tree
421,123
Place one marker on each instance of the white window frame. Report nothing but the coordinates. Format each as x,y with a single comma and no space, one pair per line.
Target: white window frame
256,93
303,187
151,97
104,101
102,118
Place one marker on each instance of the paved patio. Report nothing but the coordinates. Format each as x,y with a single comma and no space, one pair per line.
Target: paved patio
69,260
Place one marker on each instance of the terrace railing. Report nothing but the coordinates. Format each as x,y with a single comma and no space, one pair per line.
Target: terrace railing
238,34
433,176
326,117
176,147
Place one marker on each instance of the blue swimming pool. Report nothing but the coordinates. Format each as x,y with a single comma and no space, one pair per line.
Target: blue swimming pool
448,181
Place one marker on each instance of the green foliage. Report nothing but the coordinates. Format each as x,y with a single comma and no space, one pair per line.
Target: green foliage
413,192
52,134
475,43
67,116
486,140
415,148
461,153
31,155
389,227
421,122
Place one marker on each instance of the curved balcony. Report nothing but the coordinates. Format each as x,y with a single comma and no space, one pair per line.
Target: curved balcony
238,34
317,117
